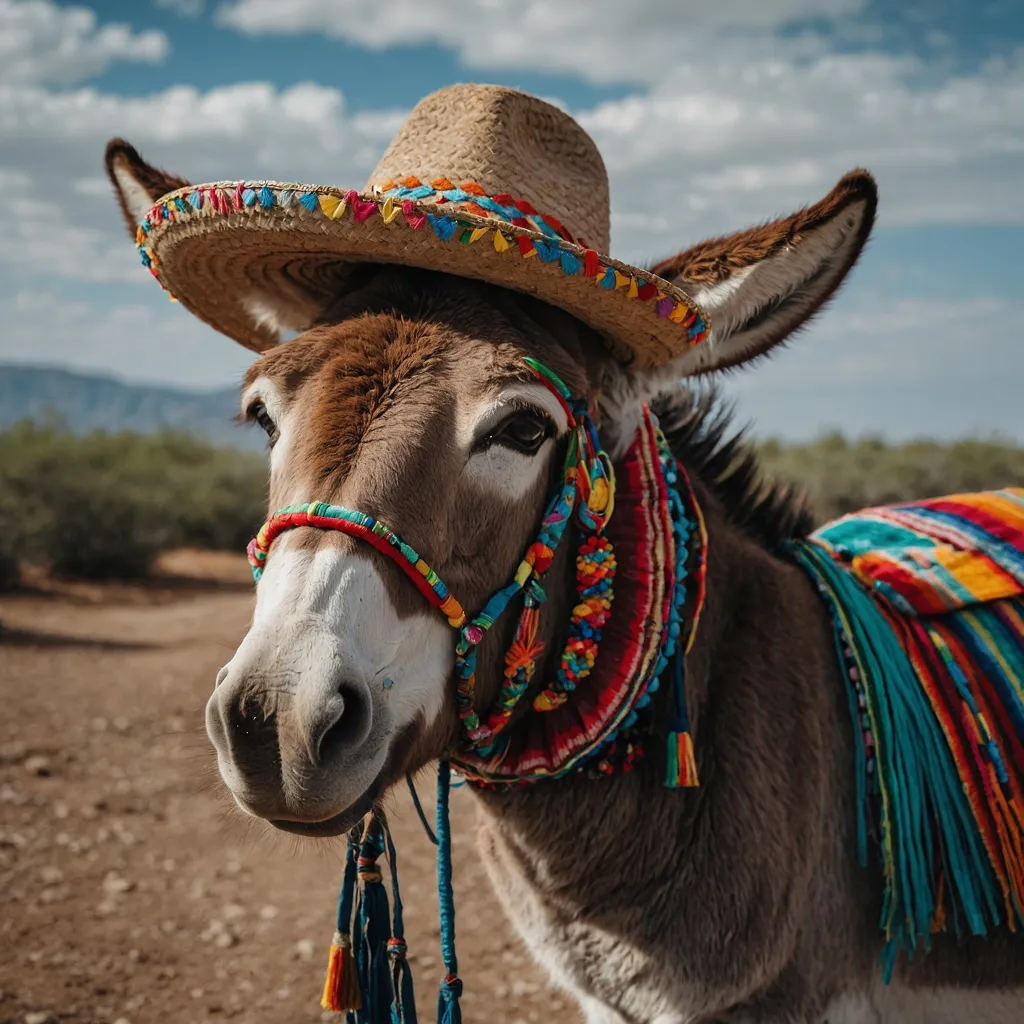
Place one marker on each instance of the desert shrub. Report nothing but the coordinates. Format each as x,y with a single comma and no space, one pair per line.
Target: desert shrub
8,548
842,476
105,505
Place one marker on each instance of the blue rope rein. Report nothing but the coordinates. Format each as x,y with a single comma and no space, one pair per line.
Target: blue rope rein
448,1010
403,999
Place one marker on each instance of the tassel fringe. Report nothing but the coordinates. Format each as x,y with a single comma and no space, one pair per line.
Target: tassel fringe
341,986
682,764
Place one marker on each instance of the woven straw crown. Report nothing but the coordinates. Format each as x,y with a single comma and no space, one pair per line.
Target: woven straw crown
480,181
508,143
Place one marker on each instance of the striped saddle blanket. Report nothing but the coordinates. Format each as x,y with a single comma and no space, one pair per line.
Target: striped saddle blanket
927,602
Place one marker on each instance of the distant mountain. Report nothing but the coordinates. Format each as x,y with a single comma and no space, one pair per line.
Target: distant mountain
92,402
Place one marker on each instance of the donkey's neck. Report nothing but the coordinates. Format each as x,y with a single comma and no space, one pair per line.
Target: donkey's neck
723,863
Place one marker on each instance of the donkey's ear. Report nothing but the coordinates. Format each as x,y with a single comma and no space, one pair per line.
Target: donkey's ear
762,284
137,184
758,286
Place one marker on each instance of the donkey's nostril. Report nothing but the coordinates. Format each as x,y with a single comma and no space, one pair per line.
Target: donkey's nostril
221,676
343,721
250,722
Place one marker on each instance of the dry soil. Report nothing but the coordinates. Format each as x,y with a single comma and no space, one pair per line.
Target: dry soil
130,890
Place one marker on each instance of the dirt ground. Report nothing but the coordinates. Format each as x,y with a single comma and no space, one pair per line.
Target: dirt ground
130,889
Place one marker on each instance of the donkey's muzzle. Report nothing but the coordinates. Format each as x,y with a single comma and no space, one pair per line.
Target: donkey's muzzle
286,744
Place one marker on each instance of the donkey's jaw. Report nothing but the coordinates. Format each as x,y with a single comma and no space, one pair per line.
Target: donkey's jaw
313,716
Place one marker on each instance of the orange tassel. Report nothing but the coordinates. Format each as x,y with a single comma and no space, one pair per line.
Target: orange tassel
525,649
341,986
686,761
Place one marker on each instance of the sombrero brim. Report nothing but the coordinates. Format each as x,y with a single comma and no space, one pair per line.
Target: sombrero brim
220,247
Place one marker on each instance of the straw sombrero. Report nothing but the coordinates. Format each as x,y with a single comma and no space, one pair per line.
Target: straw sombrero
481,181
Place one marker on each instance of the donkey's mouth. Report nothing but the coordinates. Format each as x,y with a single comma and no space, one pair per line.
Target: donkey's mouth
337,824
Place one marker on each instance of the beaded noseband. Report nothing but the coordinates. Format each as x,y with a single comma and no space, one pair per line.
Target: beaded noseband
585,492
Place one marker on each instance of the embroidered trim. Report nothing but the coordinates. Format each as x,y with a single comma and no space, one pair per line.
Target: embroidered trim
598,730
444,207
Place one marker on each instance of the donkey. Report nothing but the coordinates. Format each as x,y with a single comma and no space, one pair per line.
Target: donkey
740,900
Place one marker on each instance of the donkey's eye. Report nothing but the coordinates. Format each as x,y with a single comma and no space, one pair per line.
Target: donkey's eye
524,432
258,412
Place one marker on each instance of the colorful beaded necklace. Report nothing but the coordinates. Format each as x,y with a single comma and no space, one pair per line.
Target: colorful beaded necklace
368,975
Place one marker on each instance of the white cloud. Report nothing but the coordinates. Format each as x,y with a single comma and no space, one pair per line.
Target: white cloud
713,148
41,42
601,40
729,129
742,136
57,215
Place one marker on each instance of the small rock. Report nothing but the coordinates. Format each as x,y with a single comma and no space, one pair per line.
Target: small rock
232,911
305,949
268,913
37,765
115,884
122,1020
284,993
61,810
54,894
121,724
196,993
40,1017
219,934
99,725
51,875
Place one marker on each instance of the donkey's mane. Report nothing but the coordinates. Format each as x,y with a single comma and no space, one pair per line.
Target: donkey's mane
699,427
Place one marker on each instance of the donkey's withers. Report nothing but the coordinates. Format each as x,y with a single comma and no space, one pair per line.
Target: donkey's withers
740,900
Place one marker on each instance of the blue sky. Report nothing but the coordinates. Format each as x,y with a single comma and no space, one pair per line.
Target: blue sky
710,117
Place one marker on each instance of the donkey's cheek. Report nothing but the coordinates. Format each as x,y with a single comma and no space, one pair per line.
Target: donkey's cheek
507,473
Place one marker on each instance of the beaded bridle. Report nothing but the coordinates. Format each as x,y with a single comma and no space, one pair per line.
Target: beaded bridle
585,492
585,495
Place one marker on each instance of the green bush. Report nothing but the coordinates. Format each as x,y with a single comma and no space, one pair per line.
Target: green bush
105,505
842,476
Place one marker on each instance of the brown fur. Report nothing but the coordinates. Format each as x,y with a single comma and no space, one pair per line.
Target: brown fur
717,259
741,900
745,889
756,897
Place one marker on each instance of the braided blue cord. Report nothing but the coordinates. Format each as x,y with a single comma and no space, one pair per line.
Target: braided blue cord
448,1010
